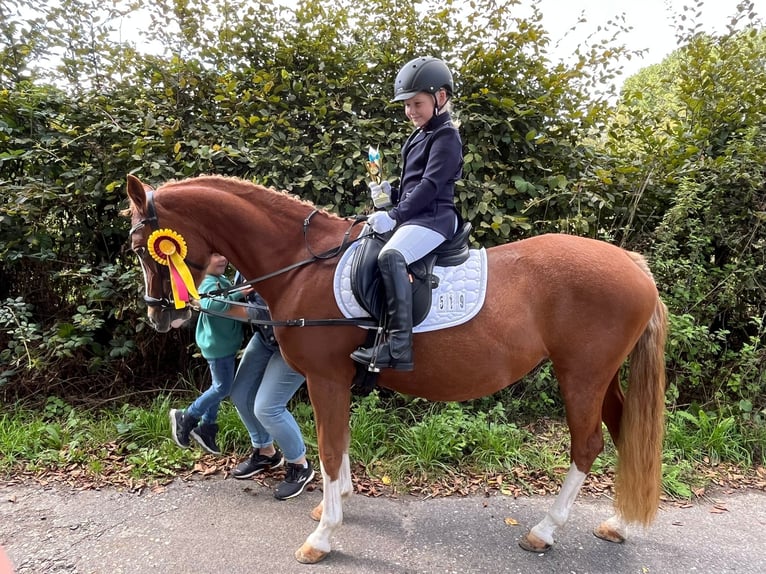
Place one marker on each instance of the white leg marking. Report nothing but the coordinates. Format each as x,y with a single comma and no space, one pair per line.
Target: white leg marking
332,512
616,523
559,512
346,487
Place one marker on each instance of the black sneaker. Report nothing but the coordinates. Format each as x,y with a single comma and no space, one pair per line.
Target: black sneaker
258,462
295,481
181,425
204,434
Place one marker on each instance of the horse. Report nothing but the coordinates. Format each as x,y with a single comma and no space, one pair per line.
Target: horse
585,305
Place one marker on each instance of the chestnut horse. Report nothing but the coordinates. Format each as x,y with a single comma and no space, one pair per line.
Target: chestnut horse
583,304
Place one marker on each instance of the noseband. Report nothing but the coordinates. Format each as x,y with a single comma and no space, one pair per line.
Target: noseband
144,258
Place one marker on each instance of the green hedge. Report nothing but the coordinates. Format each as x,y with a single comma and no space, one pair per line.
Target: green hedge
293,98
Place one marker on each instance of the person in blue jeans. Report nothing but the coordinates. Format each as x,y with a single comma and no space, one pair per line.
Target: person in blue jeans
219,340
263,385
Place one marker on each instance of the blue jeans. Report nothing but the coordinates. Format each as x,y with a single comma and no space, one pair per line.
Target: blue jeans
207,404
262,388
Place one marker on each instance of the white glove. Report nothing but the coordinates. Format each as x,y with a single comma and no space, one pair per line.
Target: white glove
381,222
381,194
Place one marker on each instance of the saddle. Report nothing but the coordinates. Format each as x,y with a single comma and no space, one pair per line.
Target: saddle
367,284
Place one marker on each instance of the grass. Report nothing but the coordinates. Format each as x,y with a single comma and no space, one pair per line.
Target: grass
405,440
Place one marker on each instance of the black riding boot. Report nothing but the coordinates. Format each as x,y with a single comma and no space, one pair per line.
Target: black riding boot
396,352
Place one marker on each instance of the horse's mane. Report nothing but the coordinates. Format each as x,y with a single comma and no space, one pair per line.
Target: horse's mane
239,187
277,200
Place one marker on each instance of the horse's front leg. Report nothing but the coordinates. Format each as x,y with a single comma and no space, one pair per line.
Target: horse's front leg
346,487
330,514
331,413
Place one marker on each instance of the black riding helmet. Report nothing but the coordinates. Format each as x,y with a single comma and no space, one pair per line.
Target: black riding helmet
422,75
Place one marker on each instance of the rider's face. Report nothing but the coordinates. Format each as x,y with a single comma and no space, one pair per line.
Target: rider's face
420,107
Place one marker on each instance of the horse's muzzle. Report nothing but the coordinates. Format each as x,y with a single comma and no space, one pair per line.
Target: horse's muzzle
163,320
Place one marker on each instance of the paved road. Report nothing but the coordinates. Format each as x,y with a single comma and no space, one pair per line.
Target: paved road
237,527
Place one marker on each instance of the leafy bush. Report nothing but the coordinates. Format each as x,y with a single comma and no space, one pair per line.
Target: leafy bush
293,98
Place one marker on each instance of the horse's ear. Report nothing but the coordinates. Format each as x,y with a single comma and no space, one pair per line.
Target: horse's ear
137,192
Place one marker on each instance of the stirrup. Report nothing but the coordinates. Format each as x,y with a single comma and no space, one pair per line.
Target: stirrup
370,363
377,343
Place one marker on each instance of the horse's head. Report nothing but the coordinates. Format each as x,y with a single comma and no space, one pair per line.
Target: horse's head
169,278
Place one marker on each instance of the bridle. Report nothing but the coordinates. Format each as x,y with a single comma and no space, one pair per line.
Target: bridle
145,259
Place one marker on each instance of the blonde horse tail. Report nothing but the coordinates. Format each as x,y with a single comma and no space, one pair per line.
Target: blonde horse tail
638,481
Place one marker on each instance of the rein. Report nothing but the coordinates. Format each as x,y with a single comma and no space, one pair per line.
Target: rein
220,294
152,220
329,254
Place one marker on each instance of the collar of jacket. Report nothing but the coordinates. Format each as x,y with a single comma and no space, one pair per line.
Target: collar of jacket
436,122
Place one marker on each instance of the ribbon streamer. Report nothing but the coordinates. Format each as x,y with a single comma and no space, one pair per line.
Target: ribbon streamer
168,247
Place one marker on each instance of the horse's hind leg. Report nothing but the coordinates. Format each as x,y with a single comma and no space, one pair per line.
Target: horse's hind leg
583,400
611,410
540,538
613,529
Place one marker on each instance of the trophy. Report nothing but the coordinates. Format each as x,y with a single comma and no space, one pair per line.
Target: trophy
380,189
374,165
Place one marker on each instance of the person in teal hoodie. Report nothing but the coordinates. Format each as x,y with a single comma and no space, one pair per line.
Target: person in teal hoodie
219,340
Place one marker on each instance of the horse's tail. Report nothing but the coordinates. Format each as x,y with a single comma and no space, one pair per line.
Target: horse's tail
638,482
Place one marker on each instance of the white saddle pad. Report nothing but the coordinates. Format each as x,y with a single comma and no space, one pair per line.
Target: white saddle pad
457,299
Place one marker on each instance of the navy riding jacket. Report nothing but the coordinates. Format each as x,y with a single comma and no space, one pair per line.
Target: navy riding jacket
432,161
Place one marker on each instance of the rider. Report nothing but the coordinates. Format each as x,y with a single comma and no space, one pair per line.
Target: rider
423,213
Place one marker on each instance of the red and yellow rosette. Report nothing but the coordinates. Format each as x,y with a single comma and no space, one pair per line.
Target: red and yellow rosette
169,248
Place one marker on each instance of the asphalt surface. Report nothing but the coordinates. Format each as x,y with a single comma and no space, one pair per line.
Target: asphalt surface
219,525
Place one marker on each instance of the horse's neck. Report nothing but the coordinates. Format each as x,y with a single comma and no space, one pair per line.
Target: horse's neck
253,234
262,233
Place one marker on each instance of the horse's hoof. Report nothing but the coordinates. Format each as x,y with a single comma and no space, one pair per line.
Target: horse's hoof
309,555
532,543
316,512
608,533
